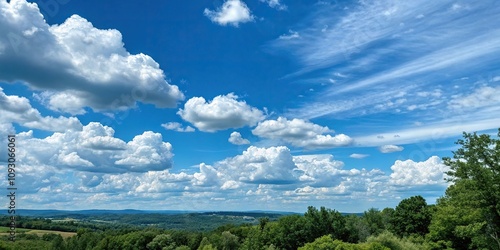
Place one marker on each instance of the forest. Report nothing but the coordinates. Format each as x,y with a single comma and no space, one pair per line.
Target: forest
467,216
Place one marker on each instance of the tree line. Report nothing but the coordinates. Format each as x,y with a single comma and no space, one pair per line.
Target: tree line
467,216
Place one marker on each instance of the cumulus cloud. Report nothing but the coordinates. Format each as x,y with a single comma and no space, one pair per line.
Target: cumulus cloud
300,133
323,178
19,110
324,171
223,112
320,169
73,159
390,149
232,12
148,150
77,65
228,185
95,149
207,176
159,182
256,165
276,168
6,129
177,127
257,175
89,179
410,173
236,139
152,182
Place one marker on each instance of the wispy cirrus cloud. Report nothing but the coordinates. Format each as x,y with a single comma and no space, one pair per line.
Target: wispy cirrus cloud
358,156
410,60
277,4
390,149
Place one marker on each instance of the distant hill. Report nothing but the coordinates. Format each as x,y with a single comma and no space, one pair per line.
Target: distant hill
63,213
167,219
59,213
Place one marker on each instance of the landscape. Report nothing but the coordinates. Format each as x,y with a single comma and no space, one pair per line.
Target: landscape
466,217
250,124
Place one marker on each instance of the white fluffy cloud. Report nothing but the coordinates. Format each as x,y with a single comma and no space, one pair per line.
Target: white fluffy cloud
409,173
320,169
177,127
95,149
255,165
207,176
223,112
255,176
148,150
74,160
324,171
300,133
6,129
236,139
76,64
147,182
232,12
161,182
390,149
19,110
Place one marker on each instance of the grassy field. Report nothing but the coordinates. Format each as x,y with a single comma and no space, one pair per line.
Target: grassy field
6,230
18,230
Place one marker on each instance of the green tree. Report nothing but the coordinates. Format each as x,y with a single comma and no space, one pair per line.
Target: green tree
206,245
257,238
411,216
455,212
229,241
357,228
324,221
137,240
478,162
387,214
262,222
327,243
58,243
291,232
468,216
194,241
375,221
161,242
322,243
390,241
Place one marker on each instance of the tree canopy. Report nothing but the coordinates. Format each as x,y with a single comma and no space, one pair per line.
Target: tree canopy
468,216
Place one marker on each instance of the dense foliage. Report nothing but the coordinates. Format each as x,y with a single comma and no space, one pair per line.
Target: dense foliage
466,217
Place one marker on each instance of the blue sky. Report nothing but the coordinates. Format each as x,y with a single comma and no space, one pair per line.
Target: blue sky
242,104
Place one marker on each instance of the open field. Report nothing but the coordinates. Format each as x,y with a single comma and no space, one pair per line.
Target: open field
18,230
6,230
